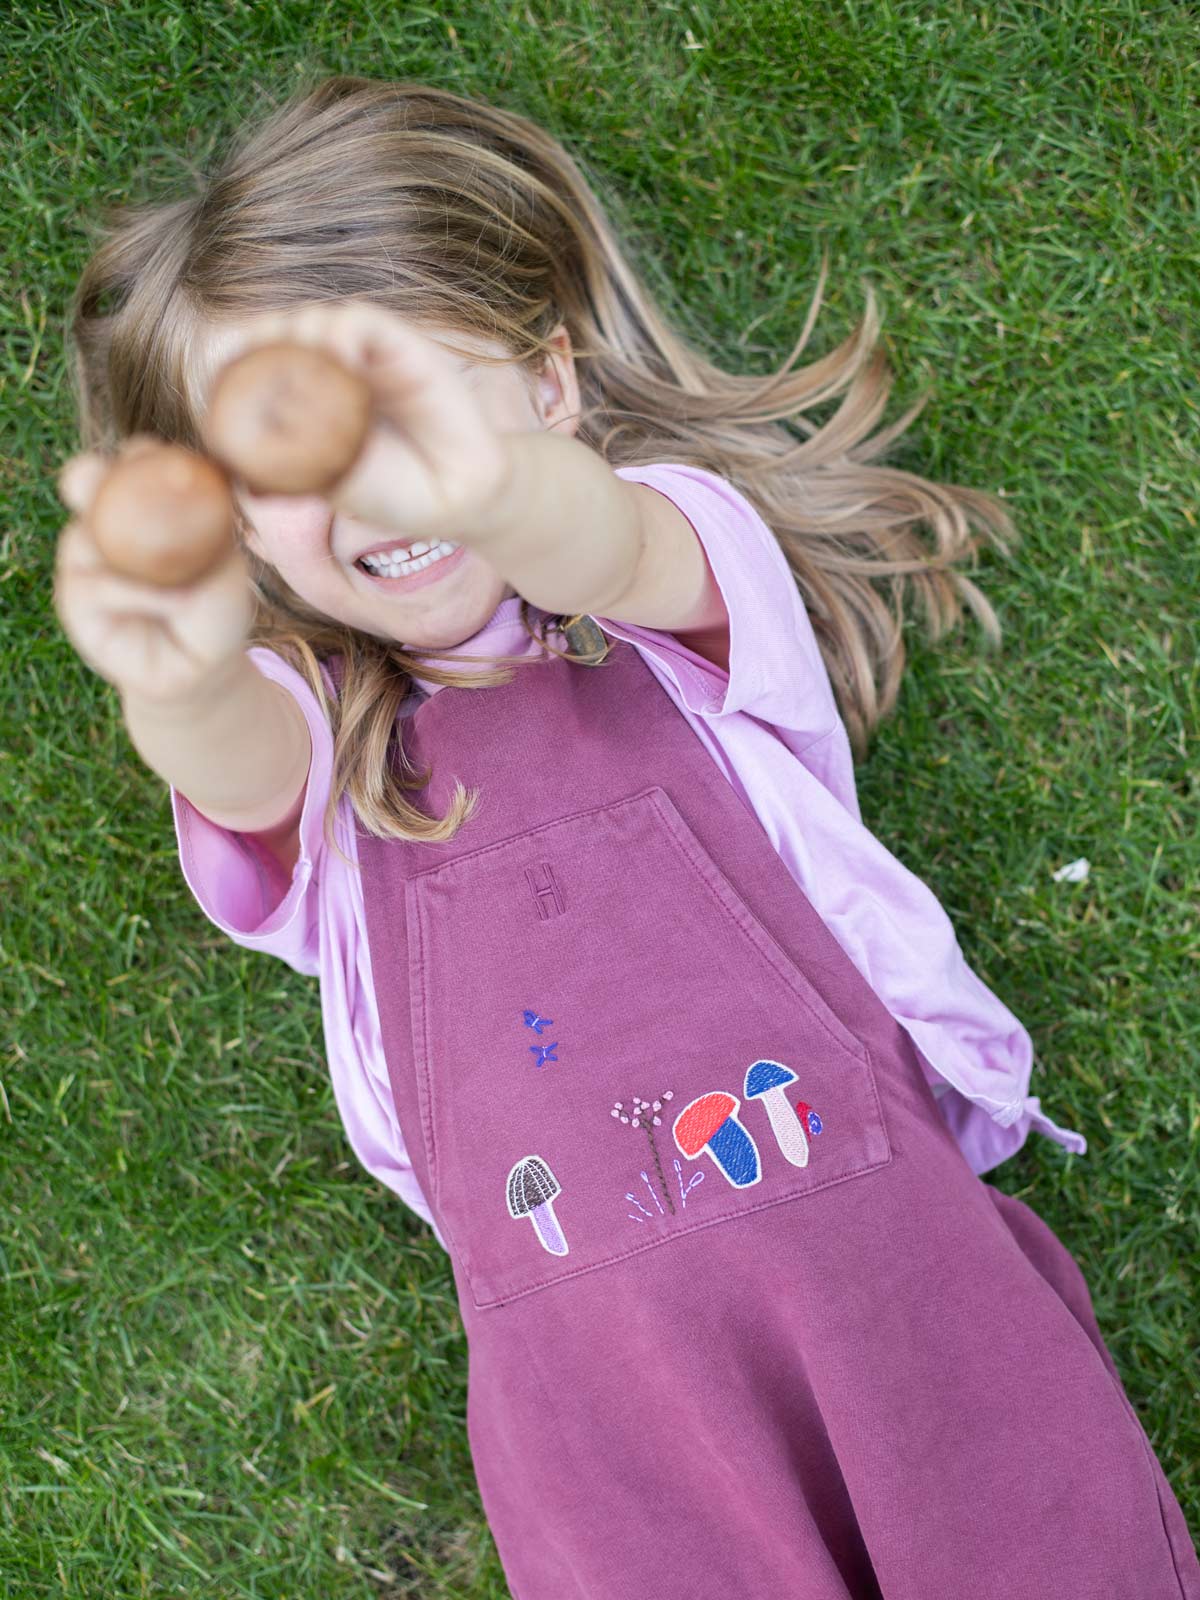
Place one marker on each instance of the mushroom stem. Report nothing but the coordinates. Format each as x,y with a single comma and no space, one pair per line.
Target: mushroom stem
786,1126
546,1226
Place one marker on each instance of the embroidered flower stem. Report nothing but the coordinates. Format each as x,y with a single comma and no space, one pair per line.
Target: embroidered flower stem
645,1177
658,1167
644,1113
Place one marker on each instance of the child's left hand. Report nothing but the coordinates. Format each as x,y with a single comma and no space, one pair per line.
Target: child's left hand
433,465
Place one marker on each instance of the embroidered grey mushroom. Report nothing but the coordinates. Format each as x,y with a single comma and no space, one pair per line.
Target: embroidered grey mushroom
768,1081
532,1190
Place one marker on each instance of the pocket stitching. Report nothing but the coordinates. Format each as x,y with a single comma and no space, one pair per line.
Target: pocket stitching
416,922
422,1056
772,952
760,940
696,1227
533,833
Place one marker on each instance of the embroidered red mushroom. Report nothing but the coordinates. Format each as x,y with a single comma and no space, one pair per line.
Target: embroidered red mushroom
532,1190
711,1123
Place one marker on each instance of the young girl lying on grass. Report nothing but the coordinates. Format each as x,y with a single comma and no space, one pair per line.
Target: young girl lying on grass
686,1071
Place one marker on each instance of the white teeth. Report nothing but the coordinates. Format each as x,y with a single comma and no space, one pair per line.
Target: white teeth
422,554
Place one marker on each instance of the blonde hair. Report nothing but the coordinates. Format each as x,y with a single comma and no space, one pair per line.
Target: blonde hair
451,210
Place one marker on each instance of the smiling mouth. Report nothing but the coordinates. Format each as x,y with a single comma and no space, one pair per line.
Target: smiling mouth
404,561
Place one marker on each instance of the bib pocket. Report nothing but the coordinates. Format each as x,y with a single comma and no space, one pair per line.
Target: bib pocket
611,1049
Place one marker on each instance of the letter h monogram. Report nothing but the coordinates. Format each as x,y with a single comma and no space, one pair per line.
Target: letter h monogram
546,894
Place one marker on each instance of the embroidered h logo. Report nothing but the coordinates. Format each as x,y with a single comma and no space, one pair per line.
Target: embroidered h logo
545,891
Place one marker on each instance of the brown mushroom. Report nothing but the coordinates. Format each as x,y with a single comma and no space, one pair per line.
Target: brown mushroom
288,419
163,514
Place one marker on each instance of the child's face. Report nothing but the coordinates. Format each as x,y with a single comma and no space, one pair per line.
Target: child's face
313,549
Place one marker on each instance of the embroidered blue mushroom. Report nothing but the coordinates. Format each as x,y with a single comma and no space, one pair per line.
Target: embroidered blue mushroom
532,1190
768,1081
710,1123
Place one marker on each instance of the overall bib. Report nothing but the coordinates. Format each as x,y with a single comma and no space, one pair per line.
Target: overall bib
741,1320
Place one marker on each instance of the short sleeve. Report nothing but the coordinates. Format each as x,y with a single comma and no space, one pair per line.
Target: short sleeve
776,671
239,885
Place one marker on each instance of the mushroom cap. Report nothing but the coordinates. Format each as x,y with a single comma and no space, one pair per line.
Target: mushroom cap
163,514
288,418
764,1075
530,1184
697,1122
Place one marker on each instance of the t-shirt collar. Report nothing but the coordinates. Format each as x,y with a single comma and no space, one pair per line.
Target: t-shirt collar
503,634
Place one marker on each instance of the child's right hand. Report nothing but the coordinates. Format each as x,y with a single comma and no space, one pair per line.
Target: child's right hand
152,643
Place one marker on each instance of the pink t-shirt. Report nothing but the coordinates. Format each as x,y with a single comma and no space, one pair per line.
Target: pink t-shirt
772,727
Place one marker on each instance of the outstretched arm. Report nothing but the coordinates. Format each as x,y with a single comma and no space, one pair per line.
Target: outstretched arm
543,509
571,536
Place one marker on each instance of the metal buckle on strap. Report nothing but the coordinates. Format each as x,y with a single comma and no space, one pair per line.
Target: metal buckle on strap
585,638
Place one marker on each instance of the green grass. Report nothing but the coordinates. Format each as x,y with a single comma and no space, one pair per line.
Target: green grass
230,1363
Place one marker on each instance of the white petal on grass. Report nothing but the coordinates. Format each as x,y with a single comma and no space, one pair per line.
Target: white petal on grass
1073,872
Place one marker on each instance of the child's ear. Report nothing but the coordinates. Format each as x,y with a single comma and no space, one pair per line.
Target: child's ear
558,386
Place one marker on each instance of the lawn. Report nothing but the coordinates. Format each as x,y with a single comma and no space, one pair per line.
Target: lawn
231,1363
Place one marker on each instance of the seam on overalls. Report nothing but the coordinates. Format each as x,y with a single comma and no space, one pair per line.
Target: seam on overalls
784,967
422,1062
1157,1474
771,954
729,1215
1045,1287
525,833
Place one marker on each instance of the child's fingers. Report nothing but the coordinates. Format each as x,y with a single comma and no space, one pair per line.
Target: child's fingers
434,459
82,574
87,589
82,475
77,552
160,641
323,324
120,648
80,478
416,383
140,655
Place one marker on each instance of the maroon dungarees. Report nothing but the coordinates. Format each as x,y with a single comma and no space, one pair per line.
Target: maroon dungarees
741,1320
